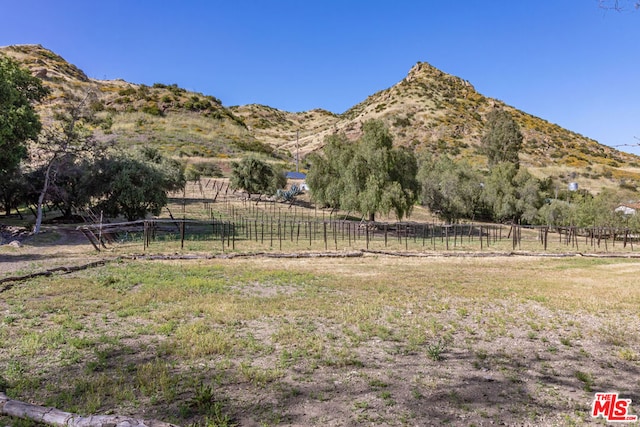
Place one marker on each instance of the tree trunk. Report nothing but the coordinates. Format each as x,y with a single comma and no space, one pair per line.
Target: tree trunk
45,187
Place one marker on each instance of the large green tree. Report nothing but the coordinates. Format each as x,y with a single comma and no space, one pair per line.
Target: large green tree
512,194
368,176
501,140
325,176
598,210
557,212
256,176
451,190
19,122
134,185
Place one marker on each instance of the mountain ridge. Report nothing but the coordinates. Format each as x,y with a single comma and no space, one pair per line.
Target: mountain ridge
428,111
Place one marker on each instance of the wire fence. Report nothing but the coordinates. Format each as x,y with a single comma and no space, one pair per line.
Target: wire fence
228,221
248,234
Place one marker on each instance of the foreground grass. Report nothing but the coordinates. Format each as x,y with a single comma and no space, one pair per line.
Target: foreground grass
374,340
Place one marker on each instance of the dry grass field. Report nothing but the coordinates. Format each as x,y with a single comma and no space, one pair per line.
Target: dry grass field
375,340
443,339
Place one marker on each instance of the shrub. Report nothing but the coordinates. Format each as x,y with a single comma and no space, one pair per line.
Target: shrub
127,92
97,106
380,107
402,122
209,169
152,108
107,123
255,146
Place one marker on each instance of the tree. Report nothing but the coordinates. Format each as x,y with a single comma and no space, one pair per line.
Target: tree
512,194
67,136
255,176
19,122
556,212
132,186
172,170
502,140
368,177
13,190
596,210
450,189
73,186
325,176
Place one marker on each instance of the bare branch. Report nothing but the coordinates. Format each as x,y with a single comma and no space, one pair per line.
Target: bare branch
618,5
629,145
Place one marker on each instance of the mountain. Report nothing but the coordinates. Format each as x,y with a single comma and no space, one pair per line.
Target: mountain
433,111
180,122
428,111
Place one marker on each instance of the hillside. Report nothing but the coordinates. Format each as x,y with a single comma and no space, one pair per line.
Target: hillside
434,111
428,111
182,123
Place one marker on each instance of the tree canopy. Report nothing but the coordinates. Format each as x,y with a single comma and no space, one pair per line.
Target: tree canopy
501,140
130,184
256,176
452,190
368,176
512,194
19,122
133,185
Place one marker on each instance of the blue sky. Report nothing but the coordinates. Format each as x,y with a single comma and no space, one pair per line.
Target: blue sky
566,61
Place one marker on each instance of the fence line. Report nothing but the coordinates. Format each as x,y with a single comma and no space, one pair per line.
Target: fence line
238,231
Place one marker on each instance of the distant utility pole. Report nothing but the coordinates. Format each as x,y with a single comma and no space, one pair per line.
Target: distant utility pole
297,152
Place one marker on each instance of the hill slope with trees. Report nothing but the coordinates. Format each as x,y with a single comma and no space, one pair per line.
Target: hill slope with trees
429,111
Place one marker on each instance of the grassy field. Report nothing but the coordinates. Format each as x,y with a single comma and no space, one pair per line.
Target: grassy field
364,341
373,340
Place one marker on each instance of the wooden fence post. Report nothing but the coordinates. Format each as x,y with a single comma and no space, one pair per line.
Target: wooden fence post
222,236
182,225
324,224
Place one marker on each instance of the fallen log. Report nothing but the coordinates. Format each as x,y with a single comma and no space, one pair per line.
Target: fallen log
169,257
51,271
352,254
478,254
56,417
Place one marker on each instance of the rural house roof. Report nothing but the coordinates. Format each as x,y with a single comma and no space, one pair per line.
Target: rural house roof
296,175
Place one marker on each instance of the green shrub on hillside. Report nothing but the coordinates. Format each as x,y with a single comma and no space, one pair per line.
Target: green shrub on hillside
196,104
152,108
202,169
97,106
254,145
127,92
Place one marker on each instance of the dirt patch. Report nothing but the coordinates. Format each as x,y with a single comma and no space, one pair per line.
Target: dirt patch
56,246
264,290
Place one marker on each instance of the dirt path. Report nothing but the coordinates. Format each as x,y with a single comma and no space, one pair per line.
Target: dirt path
56,246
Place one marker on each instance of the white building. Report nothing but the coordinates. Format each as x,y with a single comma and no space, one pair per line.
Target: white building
628,208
